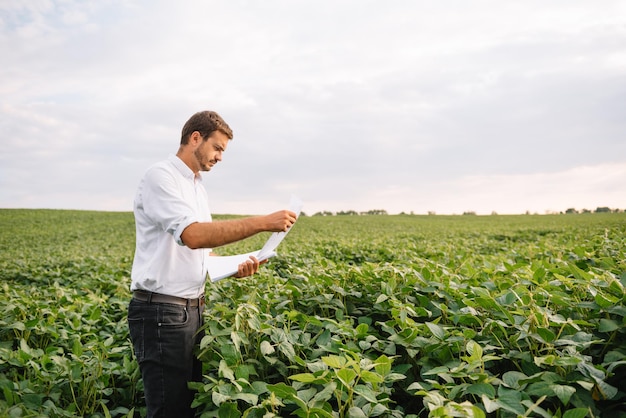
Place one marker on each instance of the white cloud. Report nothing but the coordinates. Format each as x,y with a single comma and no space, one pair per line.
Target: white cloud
354,105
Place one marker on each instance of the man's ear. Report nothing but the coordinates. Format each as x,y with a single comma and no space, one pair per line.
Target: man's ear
195,139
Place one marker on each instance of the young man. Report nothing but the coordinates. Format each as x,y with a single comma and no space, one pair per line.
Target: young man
174,237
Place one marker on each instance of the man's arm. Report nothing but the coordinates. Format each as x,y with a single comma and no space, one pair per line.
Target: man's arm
216,234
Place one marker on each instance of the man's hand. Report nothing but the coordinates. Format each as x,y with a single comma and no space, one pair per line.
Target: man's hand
248,267
280,221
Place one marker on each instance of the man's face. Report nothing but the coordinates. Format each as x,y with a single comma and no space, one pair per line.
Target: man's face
209,152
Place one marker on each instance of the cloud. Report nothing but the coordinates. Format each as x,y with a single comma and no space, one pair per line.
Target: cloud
353,105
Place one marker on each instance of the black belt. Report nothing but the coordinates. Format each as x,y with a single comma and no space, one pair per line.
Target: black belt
152,297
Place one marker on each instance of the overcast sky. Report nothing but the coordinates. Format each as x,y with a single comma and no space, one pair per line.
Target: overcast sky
414,106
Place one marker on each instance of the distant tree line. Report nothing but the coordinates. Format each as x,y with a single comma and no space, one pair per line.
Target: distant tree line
602,209
352,213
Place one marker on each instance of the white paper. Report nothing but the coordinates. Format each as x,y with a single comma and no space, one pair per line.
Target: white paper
295,205
221,267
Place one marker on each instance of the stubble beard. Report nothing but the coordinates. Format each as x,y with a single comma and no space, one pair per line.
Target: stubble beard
204,165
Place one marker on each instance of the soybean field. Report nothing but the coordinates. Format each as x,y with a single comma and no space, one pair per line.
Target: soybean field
358,316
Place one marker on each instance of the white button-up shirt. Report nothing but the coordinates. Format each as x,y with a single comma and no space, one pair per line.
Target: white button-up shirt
170,197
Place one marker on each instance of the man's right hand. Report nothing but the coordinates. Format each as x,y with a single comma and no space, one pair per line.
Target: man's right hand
281,221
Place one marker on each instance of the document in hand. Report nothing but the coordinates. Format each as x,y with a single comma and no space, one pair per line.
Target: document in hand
221,267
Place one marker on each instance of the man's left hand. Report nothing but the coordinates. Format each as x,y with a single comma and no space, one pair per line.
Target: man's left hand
248,267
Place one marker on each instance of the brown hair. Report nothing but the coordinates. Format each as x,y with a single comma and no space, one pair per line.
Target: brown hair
205,122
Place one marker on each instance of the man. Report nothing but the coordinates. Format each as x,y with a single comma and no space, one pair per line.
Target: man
174,237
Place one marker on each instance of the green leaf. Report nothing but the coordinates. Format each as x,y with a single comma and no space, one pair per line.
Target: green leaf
370,377
16,326
316,366
257,412
326,393
381,298
355,412
375,410
33,400
366,392
576,413
96,313
564,393
474,350
591,371
481,389
77,348
392,377
436,371
319,413
489,404
249,398
107,413
287,349
436,330
346,376
546,334
477,412
228,410
218,398
282,390
259,387
383,365
604,391
508,298
225,371
267,348
539,389
608,325
235,337
303,377
606,301
229,353
361,330
511,379
324,338
617,287
553,360
301,403
335,362
510,400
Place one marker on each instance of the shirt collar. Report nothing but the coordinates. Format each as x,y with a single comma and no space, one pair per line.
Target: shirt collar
184,169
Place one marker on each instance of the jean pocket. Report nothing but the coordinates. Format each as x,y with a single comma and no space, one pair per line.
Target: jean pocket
136,329
173,316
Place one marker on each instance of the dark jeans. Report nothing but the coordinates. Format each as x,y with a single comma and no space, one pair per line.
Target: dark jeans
164,337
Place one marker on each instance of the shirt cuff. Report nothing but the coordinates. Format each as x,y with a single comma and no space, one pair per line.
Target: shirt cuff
181,227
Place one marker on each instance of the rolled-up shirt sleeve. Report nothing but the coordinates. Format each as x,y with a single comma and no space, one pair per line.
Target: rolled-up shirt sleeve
165,203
